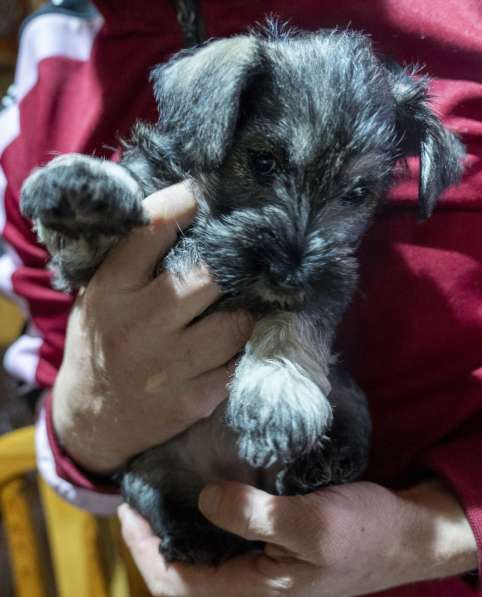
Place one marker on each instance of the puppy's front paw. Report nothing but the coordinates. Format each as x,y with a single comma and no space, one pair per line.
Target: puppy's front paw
77,195
277,412
80,207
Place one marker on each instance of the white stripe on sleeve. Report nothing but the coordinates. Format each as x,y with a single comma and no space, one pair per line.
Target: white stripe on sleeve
101,504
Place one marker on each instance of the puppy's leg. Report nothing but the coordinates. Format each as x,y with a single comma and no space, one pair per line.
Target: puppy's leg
343,456
163,485
278,405
80,207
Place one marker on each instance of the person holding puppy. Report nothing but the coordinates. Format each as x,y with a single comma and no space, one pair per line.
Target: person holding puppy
417,351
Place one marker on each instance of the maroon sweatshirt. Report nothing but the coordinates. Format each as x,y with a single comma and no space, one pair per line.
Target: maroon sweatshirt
413,336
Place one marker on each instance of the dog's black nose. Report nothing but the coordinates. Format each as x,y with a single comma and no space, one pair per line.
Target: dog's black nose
286,278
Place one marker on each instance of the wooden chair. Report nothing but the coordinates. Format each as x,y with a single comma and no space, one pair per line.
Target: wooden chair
89,558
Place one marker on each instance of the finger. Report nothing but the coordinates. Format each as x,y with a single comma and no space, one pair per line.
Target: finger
232,579
207,392
179,299
169,211
215,340
181,580
144,547
134,528
248,512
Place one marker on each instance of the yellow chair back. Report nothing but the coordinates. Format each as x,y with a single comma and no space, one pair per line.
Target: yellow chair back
88,556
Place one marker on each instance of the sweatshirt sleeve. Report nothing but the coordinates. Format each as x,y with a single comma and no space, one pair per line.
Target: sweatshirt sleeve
459,464
87,491
54,48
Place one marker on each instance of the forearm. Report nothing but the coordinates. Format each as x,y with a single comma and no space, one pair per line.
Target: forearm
437,540
84,407
80,424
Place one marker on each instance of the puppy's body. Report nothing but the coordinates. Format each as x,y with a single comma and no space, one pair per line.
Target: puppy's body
290,143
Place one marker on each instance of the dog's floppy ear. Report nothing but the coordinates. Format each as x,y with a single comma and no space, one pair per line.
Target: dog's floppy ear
198,94
421,133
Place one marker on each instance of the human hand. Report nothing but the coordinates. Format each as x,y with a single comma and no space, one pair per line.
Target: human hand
135,372
346,540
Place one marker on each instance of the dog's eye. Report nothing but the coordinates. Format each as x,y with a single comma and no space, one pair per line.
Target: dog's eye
262,162
356,194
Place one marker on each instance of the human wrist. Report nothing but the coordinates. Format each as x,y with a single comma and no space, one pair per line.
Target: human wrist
78,420
437,540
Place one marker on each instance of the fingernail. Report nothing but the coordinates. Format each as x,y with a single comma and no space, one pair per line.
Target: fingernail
209,500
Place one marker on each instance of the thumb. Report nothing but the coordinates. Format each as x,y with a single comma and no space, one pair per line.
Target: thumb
168,212
248,512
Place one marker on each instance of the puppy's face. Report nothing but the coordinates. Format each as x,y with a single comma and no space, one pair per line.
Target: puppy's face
312,154
318,125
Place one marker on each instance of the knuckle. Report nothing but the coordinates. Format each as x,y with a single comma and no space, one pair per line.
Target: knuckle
195,409
241,326
163,287
253,518
192,405
273,579
249,524
206,409
205,402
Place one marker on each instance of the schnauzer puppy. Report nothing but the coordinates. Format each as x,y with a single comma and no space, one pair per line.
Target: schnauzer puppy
290,141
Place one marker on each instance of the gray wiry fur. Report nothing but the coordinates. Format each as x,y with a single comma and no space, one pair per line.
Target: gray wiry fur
290,142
